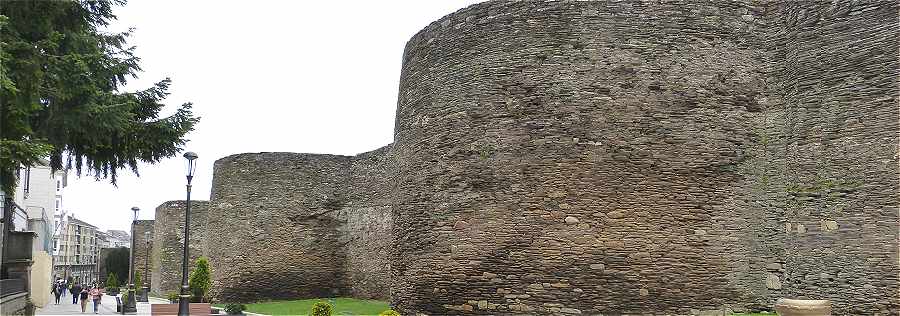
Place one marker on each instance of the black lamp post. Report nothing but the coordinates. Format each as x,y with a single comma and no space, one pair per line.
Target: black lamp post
130,305
145,297
185,297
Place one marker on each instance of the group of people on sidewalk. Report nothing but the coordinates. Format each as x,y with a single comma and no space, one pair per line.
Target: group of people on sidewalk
79,292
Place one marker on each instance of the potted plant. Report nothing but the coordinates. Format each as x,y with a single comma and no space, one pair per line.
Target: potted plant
173,297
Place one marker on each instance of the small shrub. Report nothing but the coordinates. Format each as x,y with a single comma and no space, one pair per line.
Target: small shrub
234,309
172,296
321,309
112,281
389,312
137,279
199,280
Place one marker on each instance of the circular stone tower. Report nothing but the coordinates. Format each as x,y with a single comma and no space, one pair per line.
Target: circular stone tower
272,232
168,243
578,157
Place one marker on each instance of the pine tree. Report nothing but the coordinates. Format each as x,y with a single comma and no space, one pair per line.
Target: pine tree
60,93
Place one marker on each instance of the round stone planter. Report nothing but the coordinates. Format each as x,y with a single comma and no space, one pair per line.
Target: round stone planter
789,307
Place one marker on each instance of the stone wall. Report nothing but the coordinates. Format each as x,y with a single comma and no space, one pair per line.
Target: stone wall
628,157
168,243
369,224
830,142
142,251
598,158
323,221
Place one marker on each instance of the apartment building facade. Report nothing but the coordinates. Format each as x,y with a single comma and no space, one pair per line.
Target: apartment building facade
77,251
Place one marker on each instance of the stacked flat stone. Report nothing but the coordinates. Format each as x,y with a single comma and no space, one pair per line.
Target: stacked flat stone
643,157
142,255
301,225
168,244
598,158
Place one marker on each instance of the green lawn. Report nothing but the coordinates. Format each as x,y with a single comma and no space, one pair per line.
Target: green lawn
342,306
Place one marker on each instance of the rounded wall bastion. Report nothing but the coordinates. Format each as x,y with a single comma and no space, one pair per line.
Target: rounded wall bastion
596,157
168,243
576,157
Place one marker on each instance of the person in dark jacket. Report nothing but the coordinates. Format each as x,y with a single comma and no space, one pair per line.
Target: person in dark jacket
76,289
84,298
55,291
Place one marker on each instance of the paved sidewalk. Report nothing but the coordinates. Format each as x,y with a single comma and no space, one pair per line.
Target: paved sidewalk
107,307
65,307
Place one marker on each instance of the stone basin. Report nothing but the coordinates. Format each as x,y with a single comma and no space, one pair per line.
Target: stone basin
791,307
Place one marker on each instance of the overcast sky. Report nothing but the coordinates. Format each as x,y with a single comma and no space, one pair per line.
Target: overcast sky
295,76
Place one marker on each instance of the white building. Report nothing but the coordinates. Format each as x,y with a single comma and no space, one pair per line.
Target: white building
39,193
118,238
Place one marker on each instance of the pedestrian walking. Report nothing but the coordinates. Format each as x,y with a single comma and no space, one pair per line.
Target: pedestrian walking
84,297
76,290
55,290
96,295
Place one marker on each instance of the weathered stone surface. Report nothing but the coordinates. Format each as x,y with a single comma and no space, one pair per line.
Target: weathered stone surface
301,225
168,243
790,307
687,135
142,250
695,144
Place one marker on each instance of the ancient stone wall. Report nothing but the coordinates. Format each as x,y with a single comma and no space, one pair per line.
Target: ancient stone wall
630,149
168,243
142,250
323,222
598,158
831,144
369,224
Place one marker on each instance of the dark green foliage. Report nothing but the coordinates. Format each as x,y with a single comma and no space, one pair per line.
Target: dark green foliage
137,279
320,309
199,280
172,296
234,309
60,97
112,281
117,263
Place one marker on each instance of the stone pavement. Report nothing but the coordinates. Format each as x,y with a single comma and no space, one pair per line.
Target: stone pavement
107,307
65,307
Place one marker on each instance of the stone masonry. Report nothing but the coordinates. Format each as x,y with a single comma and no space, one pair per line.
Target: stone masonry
169,240
598,157
141,251
322,221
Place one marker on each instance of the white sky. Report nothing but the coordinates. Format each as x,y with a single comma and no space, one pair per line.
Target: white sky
295,76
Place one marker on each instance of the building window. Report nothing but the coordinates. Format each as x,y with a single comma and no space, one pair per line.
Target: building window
26,182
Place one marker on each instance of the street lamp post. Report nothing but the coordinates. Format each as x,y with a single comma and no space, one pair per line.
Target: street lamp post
146,260
130,305
184,302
